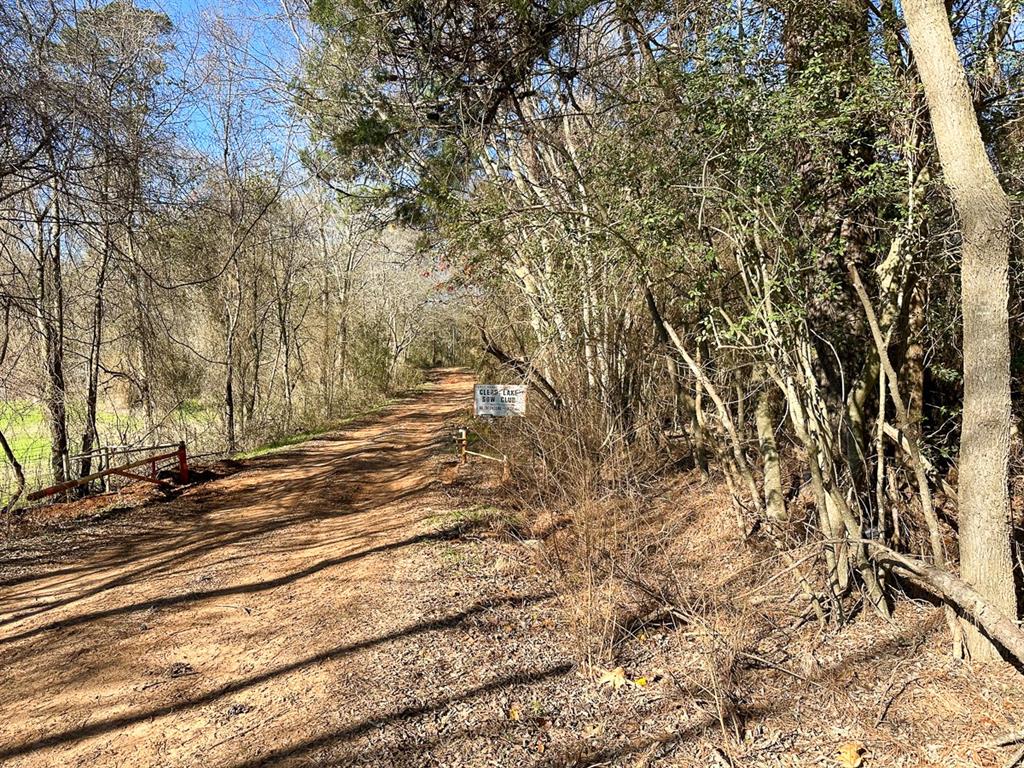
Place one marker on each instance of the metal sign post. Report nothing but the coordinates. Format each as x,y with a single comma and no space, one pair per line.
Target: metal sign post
491,401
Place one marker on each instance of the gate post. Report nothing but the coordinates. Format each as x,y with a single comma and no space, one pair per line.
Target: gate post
182,463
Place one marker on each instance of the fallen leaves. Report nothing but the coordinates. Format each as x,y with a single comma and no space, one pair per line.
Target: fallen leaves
850,754
616,678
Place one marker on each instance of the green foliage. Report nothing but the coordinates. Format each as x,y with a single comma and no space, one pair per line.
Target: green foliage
732,170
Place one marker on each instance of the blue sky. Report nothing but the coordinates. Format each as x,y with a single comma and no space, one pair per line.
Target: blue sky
266,54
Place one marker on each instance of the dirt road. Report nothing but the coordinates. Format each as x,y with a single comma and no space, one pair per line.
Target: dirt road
247,622
359,601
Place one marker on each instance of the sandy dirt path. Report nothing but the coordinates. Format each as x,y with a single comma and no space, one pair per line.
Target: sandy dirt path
228,625
360,601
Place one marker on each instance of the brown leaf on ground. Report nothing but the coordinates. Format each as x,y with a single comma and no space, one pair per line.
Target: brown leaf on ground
616,678
850,754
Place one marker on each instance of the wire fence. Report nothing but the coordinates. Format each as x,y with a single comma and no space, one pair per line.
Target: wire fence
115,446
35,464
122,429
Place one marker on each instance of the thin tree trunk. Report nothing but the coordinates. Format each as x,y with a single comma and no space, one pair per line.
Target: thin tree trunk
774,501
726,417
229,382
327,348
913,359
50,320
90,435
984,211
229,400
343,329
913,440
683,404
143,329
19,476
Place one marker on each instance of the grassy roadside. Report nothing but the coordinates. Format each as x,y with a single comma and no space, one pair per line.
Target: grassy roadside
288,441
26,429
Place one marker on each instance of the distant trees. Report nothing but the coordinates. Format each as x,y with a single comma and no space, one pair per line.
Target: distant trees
85,126
725,218
167,270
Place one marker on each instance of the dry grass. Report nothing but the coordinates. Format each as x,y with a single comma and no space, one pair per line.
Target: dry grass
659,583
650,575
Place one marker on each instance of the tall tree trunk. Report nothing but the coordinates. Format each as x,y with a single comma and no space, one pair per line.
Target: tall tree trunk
90,435
327,348
286,347
984,212
229,379
50,321
146,341
229,398
19,473
343,323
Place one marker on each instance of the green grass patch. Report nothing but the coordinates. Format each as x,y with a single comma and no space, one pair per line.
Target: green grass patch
190,407
24,425
287,441
283,442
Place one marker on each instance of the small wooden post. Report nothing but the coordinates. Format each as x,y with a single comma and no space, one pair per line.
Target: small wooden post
106,464
182,463
462,440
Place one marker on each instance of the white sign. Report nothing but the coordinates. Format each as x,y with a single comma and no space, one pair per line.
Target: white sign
499,400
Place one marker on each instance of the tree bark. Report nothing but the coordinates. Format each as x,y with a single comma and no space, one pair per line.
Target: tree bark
229,383
1000,626
19,476
984,212
683,404
90,435
50,321
774,501
724,414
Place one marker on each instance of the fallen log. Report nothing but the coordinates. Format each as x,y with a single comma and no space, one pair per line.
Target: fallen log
997,625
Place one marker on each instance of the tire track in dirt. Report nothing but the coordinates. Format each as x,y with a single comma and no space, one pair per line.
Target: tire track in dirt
242,601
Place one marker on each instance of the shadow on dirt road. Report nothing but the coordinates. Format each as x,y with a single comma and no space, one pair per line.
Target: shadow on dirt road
246,593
